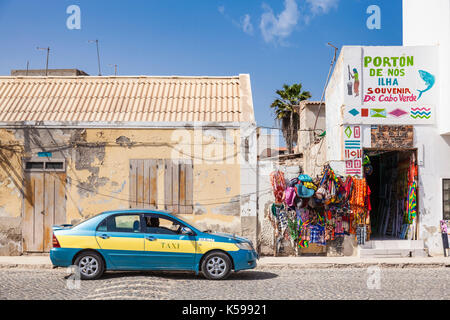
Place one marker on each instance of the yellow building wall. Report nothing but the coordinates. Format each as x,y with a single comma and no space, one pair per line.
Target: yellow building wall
11,175
216,184
97,166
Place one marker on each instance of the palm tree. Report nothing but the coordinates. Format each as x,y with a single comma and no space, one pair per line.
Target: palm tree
290,97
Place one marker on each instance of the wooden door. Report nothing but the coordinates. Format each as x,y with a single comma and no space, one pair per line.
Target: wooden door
44,206
143,183
178,186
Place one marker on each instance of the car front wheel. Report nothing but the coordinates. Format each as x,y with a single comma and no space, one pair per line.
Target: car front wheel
216,266
91,265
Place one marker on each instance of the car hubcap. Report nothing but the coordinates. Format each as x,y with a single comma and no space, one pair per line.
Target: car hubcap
88,266
216,266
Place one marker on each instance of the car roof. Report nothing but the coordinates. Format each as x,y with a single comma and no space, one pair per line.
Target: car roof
135,211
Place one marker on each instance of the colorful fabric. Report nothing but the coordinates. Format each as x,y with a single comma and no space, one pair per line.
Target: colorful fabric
293,182
276,208
282,219
317,235
279,219
290,196
303,192
278,185
304,178
339,229
310,185
358,201
412,202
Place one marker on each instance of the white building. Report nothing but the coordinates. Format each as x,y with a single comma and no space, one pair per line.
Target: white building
393,104
433,29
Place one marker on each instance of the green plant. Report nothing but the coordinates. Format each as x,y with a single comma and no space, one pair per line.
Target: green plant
289,99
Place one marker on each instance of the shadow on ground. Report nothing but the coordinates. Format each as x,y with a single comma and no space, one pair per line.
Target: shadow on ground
180,275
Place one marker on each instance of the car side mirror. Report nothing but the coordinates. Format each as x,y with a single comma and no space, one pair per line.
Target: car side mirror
187,231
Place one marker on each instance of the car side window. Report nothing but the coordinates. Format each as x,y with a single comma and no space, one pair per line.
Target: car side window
121,223
102,226
161,225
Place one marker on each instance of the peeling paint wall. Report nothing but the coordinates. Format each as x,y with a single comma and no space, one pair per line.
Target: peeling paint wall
266,237
313,149
98,169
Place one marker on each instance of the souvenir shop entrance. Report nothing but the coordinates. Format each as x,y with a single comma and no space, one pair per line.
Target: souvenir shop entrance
392,180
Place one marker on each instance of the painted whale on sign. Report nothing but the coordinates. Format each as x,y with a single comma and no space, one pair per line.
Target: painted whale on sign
429,81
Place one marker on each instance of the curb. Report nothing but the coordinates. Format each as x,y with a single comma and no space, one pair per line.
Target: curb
25,266
287,265
354,265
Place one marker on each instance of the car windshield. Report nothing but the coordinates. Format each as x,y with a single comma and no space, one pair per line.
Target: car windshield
192,224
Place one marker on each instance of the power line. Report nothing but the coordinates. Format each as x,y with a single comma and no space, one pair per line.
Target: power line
326,83
164,204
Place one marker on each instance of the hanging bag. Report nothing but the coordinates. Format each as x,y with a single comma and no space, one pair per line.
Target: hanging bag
290,196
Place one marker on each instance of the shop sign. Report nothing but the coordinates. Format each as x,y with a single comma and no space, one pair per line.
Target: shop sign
390,85
353,150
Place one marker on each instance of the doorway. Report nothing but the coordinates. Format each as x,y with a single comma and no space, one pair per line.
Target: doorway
44,203
393,180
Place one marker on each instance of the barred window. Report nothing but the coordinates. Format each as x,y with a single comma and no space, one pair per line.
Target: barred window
446,198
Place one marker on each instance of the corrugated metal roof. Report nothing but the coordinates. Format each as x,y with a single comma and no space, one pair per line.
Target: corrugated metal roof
125,99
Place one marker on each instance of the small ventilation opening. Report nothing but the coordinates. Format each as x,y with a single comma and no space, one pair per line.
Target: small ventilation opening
31,165
37,165
54,166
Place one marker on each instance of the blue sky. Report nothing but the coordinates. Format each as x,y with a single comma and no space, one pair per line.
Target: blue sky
275,42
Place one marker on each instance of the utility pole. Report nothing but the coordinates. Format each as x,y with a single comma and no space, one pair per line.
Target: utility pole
48,53
98,56
115,68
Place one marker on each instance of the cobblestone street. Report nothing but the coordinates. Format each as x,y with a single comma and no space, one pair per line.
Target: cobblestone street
262,283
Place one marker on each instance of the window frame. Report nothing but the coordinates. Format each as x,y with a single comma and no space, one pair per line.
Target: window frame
444,190
157,215
44,162
122,214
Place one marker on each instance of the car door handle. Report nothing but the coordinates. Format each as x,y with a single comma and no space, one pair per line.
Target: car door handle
150,238
104,236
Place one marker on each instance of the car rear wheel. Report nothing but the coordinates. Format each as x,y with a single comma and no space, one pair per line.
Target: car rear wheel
91,265
216,266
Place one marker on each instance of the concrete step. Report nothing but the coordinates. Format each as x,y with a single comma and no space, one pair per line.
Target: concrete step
391,253
384,253
394,244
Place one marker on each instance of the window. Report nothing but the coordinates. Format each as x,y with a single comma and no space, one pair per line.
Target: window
178,186
446,198
121,223
54,165
178,183
44,165
31,165
161,225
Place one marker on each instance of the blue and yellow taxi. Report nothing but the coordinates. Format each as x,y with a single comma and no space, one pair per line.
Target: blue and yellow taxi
148,240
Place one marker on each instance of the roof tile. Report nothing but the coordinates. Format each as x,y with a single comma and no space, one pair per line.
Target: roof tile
135,99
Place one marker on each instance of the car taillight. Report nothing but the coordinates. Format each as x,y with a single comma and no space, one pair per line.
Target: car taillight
55,242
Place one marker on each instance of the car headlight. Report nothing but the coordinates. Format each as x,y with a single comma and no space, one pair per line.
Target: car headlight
244,246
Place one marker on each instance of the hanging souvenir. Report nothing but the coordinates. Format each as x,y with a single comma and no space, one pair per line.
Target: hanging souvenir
278,185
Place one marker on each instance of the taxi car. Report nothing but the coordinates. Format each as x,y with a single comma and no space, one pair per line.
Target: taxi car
148,240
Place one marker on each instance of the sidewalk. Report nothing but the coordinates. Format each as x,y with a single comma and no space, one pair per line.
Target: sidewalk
43,262
26,262
353,262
